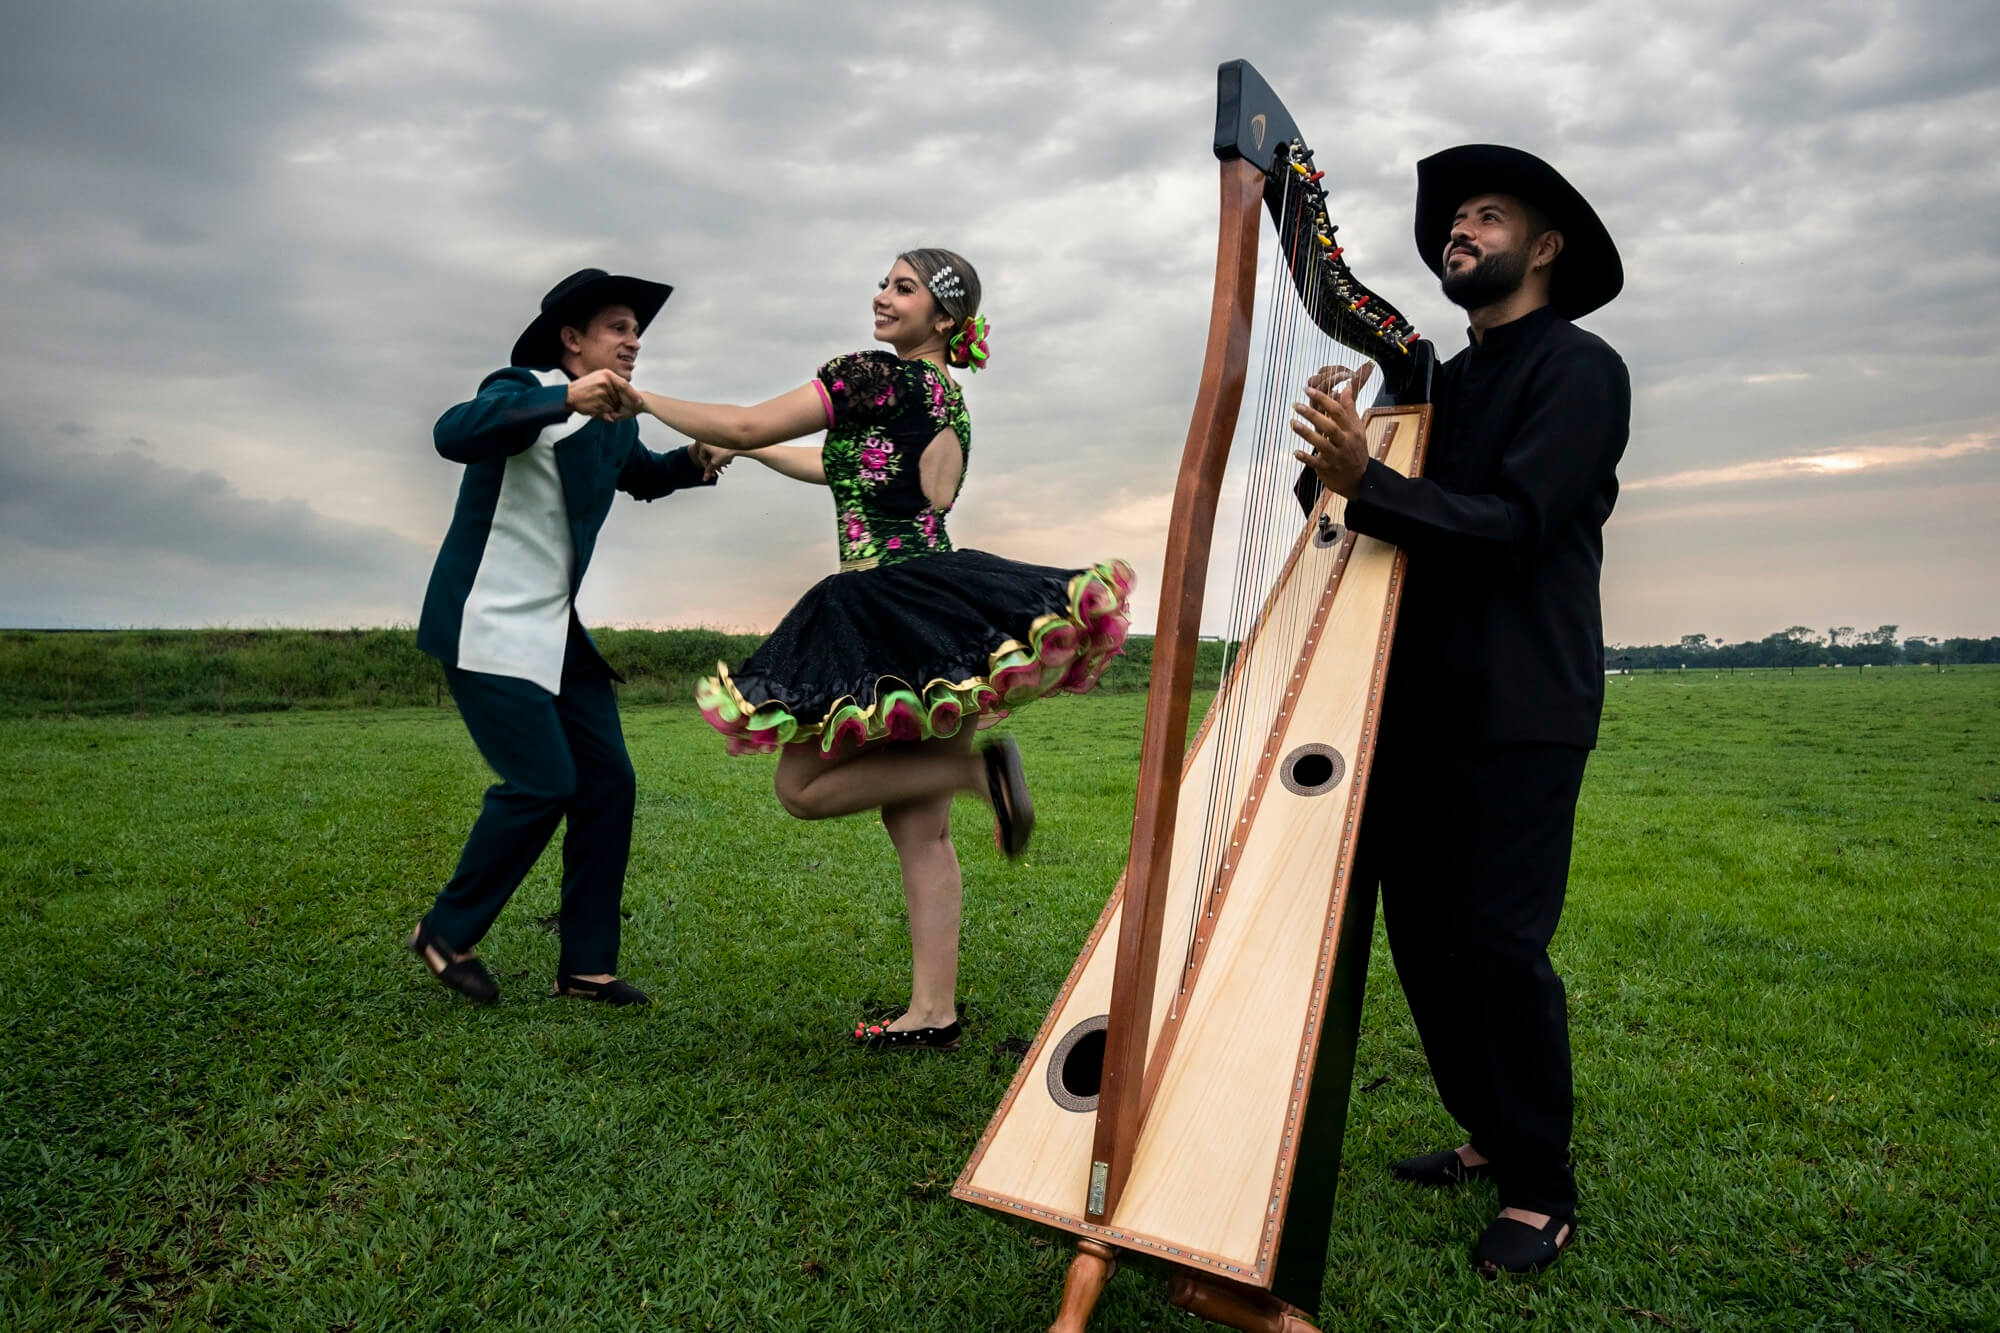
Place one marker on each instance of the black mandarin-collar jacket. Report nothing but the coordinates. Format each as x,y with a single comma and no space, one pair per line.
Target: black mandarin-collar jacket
1500,638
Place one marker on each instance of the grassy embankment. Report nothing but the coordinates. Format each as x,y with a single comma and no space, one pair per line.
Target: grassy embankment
144,673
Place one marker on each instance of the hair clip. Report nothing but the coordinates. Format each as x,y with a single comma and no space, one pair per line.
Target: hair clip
945,284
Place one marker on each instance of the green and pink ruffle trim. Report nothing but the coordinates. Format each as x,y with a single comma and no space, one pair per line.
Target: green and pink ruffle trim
1065,654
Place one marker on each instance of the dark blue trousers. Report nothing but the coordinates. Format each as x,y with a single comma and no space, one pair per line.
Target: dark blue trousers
1471,847
559,756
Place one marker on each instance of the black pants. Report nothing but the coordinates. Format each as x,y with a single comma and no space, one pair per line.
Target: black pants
559,756
1471,848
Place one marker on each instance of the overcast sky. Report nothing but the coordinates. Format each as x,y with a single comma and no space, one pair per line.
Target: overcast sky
248,252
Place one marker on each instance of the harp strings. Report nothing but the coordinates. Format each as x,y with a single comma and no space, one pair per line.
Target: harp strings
1254,684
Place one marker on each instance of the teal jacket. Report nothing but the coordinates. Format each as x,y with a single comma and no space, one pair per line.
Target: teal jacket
538,485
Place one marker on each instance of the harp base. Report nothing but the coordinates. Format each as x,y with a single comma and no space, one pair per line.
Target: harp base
1088,1272
1221,1303
1236,1307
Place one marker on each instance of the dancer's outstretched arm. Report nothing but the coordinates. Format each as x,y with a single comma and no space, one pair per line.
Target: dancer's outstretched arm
800,462
786,417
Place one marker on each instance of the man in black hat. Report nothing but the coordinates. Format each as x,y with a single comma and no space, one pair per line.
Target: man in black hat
545,443
1496,676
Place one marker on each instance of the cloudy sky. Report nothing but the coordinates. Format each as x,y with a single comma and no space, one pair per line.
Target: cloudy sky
249,251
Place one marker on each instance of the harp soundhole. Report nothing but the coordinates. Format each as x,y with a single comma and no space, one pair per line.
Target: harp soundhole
1312,770
1076,1067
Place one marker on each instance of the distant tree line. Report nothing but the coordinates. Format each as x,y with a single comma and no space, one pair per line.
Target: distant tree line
1801,645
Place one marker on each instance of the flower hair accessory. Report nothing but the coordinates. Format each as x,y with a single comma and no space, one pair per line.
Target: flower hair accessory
968,346
945,284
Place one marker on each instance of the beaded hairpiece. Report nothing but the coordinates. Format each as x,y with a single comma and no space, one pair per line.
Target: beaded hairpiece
945,284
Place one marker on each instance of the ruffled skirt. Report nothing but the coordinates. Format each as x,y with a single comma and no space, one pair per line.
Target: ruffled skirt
920,649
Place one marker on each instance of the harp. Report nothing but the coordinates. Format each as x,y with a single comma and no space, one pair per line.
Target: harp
1183,1102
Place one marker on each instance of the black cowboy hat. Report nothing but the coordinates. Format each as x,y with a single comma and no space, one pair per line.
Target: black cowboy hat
1586,276
571,303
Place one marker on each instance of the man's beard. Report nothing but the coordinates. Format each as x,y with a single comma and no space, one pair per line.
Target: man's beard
1491,280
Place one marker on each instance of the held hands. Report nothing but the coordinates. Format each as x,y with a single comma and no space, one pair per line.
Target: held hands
709,459
1331,427
606,395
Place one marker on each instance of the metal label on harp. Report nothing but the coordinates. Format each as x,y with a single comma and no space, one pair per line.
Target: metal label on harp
1100,1175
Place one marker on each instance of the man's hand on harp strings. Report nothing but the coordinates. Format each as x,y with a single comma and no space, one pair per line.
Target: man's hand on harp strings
1329,423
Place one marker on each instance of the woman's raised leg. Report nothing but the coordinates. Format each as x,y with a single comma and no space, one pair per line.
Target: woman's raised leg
812,787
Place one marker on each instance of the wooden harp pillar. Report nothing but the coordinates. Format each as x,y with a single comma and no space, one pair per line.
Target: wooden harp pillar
1176,644
1183,1103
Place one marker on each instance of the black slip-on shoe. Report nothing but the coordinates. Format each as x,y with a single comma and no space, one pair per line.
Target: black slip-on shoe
1439,1170
467,976
1510,1246
613,991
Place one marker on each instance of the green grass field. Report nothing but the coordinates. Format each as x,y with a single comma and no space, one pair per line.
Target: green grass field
229,1099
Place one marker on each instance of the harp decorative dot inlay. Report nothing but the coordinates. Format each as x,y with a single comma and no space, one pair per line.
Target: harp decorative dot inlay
1312,770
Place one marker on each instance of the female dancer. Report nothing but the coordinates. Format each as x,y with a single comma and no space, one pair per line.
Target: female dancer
874,683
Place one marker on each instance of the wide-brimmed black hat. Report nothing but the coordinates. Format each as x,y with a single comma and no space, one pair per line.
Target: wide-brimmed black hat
1586,275
571,303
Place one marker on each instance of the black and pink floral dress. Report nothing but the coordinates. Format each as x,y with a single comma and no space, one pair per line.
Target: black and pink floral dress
912,639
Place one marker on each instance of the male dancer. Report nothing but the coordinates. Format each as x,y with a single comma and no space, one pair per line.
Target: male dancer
1496,677
545,443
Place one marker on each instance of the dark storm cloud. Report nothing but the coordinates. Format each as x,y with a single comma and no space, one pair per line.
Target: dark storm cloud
124,502
99,535
127,503
276,240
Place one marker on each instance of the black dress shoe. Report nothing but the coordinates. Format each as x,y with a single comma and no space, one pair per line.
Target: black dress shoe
613,991
1510,1246
1439,1170
467,976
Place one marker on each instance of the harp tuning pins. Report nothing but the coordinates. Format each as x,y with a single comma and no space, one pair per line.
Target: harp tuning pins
1317,175
1300,167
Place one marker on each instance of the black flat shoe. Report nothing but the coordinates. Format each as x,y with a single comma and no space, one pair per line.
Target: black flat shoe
1439,1170
613,991
467,976
1013,808
1515,1247
877,1037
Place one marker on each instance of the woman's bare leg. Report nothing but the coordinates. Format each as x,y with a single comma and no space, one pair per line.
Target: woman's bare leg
933,891
811,787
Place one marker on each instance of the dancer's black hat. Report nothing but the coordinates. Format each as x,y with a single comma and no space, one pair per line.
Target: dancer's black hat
1586,275
571,303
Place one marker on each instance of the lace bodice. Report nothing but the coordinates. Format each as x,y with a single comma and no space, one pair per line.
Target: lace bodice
881,413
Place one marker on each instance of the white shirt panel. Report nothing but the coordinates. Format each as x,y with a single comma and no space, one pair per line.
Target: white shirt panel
516,619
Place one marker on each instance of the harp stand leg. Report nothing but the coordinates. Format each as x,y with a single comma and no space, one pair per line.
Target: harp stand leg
1236,1307
1088,1272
